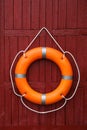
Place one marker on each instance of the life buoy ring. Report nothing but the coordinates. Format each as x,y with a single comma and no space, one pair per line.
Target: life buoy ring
53,55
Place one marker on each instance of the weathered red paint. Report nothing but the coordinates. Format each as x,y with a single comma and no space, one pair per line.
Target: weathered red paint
20,20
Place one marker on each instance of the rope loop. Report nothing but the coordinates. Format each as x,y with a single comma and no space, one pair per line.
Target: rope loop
43,112
64,52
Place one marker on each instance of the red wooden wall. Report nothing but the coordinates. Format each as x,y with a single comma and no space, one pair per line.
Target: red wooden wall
20,20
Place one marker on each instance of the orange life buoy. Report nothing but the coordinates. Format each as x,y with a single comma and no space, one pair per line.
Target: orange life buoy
53,55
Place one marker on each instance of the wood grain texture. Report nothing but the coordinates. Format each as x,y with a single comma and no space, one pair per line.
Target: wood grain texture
35,14
18,7
26,14
20,20
62,14
72,11
82,14
8,10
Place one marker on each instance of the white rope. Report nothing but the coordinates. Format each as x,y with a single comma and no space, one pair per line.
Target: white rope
64,52
43,112
49,35
78,81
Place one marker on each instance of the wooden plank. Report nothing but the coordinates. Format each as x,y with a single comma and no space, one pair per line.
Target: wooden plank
82,14
15,110
42,13
1,18
8,14
55,14
2,62
60,32
71,44
13,47
26,14
85,103
15,100
77,49
7,59
35,14
74,32
81,56
22,43
32,118
72,8
48,14
70,112
78,113
62,14
8,107
60,117
78,100
2,105
22,115
62,42
18,14
46,127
